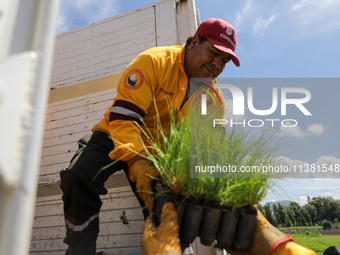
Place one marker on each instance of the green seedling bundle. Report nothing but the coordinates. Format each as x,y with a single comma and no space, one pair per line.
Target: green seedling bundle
214,205
193,141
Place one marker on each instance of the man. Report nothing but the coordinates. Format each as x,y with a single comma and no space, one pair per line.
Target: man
153,82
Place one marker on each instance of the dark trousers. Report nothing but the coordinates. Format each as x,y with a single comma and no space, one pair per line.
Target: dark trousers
82,183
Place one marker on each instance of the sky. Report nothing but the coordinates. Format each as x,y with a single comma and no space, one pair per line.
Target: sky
276,39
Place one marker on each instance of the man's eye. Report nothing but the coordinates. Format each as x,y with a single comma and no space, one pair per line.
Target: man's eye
214,53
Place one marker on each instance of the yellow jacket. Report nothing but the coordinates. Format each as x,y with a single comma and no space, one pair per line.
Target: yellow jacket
152,84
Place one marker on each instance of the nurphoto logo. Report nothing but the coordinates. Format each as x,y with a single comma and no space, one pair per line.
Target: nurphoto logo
238,103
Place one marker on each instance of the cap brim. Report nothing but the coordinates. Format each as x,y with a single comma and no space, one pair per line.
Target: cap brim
220,47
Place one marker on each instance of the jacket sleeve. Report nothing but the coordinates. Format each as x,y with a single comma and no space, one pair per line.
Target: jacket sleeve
135,93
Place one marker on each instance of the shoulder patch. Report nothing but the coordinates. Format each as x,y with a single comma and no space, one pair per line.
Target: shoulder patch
134,79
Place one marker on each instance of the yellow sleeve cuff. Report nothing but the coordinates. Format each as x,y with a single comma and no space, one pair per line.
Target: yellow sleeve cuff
292,248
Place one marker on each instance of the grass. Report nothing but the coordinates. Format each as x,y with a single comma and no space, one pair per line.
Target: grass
316,241
300,228
193,141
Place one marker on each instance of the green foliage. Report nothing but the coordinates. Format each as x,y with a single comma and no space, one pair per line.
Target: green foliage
193,141
310,212
326,224
309,234
314,212
299,228
336,223
268,213
326,207
317,243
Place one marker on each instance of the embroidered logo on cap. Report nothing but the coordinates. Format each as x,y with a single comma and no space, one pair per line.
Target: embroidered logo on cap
229,31
134,79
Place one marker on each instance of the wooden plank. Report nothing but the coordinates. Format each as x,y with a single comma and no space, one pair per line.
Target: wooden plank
74,137
54,207
119,39
116,241
83,109
125,251
99,28
186,14
85,88
54,177
106,228
109,56
68,130
102,48
49,230
59,149
49,184
107,251
98,70
52,199
56,159
66,126
166,24
81,101
91,117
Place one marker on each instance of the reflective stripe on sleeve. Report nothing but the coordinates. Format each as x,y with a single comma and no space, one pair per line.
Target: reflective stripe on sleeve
124,110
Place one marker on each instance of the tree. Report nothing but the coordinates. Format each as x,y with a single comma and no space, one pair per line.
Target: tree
307,218
327,208
326,224
290,216
277,217
283,215
268,213
311,210
260,207
298,217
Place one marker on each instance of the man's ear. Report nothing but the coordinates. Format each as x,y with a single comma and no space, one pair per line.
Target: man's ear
194,42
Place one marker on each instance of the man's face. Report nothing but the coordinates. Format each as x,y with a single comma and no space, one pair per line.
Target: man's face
203,60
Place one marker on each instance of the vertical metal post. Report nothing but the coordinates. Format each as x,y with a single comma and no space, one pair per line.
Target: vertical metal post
27,32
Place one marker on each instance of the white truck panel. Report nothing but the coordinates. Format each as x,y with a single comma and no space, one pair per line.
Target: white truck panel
87,65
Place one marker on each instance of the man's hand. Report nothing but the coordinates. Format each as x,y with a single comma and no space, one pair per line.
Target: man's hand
141,171
268,240
163,239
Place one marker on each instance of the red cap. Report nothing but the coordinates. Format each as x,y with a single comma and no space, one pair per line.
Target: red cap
221,35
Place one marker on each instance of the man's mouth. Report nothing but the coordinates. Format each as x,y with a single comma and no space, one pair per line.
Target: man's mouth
210,70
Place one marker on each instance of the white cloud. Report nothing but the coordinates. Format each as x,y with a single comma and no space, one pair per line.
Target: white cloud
302,200
297,6
261,24
312,130
287,161
243,15
297,189
254,16
313,17
303,18
291,131
329,160
315,129
73,14
324,167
